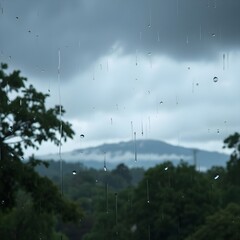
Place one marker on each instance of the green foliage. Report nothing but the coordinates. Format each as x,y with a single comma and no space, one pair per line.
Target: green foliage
27,222
170,202
224,224
26,122
233,165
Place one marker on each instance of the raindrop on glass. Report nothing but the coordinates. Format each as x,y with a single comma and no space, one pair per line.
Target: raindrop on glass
161,102
213,35
166,168
218,131
197,84
216,177
82,136
215,79
74,172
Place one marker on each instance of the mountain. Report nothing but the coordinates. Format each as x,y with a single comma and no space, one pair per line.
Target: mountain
148,154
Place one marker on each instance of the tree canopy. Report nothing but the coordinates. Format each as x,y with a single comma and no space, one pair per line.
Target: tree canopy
26,122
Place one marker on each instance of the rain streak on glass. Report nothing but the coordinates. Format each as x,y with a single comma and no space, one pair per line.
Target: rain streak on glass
104,163
224,61
135,147
148,201
116,207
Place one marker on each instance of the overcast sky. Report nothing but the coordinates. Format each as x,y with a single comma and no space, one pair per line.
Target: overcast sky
131,65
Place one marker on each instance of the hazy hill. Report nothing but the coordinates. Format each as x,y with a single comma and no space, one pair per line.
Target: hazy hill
148,152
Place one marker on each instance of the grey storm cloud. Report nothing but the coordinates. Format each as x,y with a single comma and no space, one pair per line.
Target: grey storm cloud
85,30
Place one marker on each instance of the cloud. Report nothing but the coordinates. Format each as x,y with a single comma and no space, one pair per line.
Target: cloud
85,31
151,63
194,111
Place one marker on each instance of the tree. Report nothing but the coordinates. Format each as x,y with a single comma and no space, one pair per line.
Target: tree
171,202
233,165
224,224
26,122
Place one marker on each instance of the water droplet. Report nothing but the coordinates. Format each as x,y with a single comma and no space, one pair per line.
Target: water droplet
197,84
189,68
134,228
148,201
215,79
166,168
213,35
161,102
218,131
74,172
216,177
96,181
82,136
105,168
149,53
149,25
17,17
29,31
